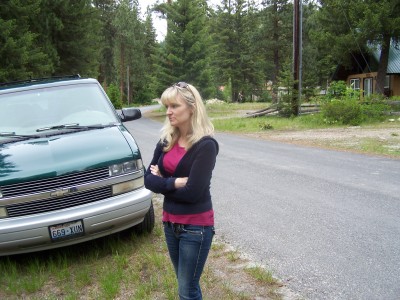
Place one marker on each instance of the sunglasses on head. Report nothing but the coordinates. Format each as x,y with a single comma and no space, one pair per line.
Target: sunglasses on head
182,85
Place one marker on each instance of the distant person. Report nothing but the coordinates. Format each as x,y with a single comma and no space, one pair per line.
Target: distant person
240,97
181,170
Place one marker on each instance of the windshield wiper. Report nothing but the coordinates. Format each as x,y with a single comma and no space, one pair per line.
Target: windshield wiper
64,126
74,126
18,136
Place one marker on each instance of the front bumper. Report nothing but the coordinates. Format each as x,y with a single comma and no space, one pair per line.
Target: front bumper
31,233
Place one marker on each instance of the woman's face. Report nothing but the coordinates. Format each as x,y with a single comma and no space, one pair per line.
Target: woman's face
179,113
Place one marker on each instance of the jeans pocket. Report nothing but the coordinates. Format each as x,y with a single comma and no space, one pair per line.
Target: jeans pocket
194,230
199,230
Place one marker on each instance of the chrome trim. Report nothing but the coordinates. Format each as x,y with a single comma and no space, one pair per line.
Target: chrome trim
51,194
62,192
31,233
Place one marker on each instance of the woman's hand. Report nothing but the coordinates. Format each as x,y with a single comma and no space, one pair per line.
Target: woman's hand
180,182
155,170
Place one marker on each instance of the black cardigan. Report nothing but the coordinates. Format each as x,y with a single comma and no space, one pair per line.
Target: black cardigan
197,164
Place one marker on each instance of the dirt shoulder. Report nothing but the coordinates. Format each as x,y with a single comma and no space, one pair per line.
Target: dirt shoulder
368,140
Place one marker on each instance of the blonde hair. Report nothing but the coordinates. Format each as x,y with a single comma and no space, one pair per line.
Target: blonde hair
200,124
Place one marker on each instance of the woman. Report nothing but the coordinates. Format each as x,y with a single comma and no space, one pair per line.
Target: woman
181,170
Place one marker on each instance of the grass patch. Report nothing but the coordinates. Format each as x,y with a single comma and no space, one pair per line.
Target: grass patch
261,275
233,256
228,110
120,266
107,268
248,125
380,146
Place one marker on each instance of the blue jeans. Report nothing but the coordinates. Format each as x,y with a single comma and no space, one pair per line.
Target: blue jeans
188,247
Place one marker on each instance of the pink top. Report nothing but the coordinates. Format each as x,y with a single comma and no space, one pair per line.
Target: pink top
170,162
172,158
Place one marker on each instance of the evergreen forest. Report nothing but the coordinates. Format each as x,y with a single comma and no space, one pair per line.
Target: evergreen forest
245,46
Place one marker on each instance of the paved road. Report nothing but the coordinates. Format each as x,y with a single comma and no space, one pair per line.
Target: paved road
326,223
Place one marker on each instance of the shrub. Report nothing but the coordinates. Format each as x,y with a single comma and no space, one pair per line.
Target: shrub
114,95
265,97
375,111
337,89
347,112
375,107
142,96
265,126
220,95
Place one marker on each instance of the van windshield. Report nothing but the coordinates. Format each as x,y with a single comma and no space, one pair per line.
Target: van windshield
27,111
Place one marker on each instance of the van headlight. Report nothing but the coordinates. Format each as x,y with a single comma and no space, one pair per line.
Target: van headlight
126,167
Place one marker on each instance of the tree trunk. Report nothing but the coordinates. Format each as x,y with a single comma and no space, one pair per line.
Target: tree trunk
383,63
275,35
296,58
122,71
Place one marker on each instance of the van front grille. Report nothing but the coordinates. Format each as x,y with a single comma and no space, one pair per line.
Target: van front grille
54,183
52,204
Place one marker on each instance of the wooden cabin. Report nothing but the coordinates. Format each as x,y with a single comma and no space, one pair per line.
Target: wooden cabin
361,75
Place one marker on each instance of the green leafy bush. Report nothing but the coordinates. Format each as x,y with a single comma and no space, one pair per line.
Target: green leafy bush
350,109
142,96
375,111
286,105
346,112
114,95
220,95
342,105
375,107
265,97
337,89
265,126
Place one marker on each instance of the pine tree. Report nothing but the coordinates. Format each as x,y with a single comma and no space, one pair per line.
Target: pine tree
238,58
150,52
315,73
106,10
21,54
187,44
276,33
130,57
77,42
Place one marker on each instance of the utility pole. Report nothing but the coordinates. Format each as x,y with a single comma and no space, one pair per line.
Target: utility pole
297,56
127,83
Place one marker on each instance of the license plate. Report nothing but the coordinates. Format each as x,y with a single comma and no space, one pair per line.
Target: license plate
66,230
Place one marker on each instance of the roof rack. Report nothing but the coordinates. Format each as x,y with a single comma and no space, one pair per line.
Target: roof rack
33,80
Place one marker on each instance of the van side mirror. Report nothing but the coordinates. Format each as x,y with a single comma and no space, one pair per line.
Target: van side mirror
130,114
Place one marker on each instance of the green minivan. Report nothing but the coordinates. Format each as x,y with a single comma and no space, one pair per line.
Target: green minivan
70,171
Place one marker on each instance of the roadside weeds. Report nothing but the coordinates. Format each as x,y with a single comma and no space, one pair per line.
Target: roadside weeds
129,266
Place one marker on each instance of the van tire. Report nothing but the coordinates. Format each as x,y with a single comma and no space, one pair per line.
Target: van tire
148,223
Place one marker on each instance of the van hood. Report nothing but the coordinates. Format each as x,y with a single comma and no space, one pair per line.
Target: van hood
60,154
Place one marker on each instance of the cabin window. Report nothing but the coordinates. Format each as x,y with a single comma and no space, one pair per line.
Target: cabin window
387,82
355,84
367,86
386,89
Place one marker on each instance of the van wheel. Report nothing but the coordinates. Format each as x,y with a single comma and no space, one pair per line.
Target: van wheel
148,223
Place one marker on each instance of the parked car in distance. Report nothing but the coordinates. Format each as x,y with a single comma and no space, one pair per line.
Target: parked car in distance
70,171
